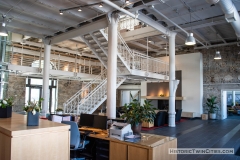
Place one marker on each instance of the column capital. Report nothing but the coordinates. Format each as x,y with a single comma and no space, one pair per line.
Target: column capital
46,41
172,34
113,16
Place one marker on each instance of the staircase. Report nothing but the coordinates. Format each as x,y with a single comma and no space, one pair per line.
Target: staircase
91,96
129,62
98,42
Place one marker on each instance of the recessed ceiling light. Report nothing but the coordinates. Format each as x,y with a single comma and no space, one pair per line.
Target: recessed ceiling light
61,12
100,5
127,1
79,9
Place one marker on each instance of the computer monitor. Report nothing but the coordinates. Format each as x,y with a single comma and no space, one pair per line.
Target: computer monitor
100,122
86,120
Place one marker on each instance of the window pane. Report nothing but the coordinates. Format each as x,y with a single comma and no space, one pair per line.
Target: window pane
229,99
35,94
27,95
53,99
36,81
237,98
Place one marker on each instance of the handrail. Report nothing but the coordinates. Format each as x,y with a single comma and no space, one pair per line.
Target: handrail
78,94
125,44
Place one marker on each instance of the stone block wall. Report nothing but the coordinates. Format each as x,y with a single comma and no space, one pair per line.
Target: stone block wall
220,74
66,89
17,90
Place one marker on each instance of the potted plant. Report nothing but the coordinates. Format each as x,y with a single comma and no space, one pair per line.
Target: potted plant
6,107
135,114
59,111
212,108
33,108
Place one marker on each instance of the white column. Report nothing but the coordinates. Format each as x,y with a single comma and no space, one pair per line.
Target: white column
143,91
171,110
46,68
112,66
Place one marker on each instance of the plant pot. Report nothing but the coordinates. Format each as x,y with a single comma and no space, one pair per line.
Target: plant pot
59,112
212,115
32,120
137,128
6,112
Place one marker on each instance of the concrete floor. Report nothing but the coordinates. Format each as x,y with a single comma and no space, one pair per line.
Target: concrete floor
197,133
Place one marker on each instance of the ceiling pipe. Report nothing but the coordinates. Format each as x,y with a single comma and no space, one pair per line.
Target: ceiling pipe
152,7
140,17
231,13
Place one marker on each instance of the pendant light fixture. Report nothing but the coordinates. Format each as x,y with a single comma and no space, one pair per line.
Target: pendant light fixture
217,54
190,39
3,29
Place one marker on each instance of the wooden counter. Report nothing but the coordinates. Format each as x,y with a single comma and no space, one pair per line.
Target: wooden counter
150,147
48,141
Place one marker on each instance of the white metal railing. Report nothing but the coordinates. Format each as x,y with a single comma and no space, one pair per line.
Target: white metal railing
75,65
139,61
149,64
70,106
94,99
128,23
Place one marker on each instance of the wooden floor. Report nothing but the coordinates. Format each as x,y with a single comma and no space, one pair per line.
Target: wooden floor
197,133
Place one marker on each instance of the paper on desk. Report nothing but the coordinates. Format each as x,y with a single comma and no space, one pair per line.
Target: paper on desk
66,118
56,118
132,136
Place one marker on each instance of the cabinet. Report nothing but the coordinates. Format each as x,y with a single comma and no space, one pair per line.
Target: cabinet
102,149
151,147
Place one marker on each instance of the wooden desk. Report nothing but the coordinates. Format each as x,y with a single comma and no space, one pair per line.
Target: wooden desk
48,141
152,147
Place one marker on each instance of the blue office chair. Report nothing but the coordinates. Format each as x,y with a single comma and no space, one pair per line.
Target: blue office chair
76,144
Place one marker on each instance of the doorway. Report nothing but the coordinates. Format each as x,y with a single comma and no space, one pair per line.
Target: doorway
229,98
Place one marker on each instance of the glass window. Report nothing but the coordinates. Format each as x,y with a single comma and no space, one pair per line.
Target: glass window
27,95
36,81
229,98
237,98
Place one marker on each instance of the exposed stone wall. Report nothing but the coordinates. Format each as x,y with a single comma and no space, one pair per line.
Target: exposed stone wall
66,89
220,74
17,90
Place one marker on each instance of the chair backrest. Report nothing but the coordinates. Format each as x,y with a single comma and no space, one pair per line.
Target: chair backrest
75,134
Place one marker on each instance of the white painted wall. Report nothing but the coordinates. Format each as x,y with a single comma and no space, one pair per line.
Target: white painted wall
192,81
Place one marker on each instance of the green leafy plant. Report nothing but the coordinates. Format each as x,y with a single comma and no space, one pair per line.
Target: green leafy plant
33,106
134,113
7,102
211,103
59,109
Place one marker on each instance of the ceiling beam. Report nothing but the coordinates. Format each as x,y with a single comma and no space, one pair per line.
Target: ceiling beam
94,26
201,36
217,33
217,45
143,46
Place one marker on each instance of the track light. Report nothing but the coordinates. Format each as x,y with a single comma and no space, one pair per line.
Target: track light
100,5
3,30
127,1
190,40
60,12
217,55
79,10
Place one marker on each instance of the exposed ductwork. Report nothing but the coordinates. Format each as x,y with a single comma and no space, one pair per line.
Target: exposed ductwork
231,13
